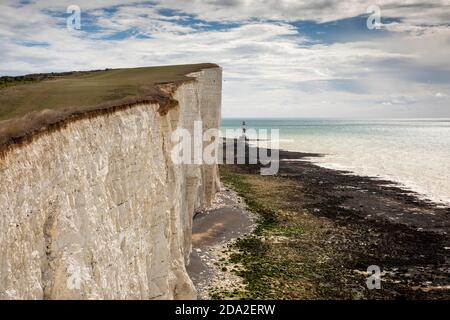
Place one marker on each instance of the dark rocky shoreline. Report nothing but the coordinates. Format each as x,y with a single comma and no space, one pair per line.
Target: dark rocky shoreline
366,222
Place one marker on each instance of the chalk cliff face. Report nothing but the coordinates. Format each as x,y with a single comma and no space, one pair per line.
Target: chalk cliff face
98,210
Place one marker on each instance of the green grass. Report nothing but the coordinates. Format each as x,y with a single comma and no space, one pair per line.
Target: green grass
23,95
288,255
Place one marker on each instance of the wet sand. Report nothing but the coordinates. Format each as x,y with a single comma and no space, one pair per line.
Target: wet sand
212,230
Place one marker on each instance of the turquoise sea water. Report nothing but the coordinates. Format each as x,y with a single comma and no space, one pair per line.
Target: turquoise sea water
413,152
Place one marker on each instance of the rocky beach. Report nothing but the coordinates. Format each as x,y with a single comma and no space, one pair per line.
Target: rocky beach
317,231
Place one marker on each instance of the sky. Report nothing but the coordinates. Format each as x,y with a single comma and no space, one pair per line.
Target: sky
280,58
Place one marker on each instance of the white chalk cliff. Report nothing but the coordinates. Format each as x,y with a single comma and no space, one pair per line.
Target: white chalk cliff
97,210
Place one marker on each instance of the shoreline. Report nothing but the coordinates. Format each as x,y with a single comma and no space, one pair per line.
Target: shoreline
397,181
412,153
392,181
319,229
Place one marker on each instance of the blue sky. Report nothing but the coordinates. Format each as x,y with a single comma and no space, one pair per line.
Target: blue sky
286,58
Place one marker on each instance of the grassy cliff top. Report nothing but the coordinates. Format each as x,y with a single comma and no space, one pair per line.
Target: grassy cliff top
38,103
55,91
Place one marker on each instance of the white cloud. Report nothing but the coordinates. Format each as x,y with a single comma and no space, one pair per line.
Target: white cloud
270,69
413,11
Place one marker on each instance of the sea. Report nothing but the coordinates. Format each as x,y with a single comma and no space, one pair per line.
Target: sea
414,153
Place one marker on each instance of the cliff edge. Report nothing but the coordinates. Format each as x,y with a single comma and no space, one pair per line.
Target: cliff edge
91,205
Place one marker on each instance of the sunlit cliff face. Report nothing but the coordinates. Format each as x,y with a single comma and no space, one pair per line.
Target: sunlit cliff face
98,209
